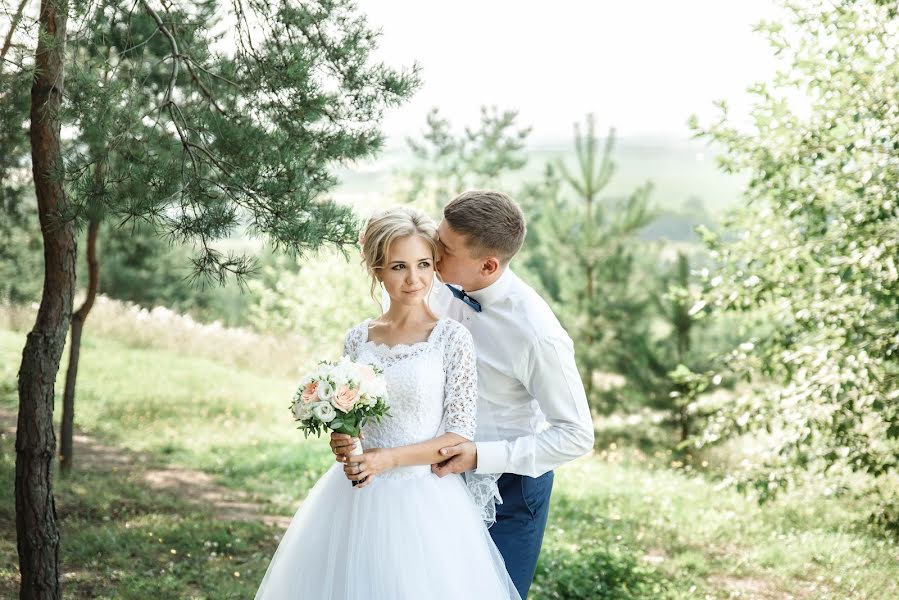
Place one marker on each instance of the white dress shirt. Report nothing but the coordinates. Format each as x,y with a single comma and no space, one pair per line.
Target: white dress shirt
532,410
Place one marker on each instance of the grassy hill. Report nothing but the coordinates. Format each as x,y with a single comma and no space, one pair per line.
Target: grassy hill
623,524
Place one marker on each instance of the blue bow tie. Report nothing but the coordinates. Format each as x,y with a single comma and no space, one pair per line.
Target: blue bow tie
461,295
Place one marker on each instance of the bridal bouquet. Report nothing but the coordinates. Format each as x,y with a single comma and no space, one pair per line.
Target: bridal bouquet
340,397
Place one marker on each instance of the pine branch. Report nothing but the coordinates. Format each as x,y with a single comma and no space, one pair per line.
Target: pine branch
7,43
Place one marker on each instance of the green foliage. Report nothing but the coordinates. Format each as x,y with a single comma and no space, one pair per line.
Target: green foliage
668,366
815,251
447,164
198,142
318,298
136,265
21,261
598,572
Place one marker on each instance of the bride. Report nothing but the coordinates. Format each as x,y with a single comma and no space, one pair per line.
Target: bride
403,532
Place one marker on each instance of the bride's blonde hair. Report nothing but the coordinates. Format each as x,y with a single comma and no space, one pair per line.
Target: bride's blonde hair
385,227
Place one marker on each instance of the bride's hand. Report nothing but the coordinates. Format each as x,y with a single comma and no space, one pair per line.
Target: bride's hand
342,445
368,464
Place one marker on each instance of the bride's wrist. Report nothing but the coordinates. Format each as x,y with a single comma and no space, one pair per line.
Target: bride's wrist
393,458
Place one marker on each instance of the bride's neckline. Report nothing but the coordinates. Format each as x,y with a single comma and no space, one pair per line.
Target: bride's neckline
395,347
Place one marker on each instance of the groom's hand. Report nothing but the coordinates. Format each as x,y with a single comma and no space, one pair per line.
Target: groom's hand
459,458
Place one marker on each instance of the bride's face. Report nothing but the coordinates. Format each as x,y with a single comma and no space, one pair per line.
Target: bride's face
409,270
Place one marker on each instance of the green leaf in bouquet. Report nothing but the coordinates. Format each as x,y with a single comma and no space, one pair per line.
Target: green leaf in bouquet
349,430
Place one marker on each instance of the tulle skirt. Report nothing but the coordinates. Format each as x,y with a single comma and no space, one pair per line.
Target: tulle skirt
407,535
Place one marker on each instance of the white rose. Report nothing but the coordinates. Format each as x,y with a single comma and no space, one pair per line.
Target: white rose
301,410
324,411
325,391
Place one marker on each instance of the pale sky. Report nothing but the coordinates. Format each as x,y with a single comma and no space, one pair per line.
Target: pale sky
641,66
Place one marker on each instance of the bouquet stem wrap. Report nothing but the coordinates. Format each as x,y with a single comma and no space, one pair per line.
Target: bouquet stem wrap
356,451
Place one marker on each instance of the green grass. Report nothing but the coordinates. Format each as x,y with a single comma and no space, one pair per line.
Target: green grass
232,424
698,535
621,525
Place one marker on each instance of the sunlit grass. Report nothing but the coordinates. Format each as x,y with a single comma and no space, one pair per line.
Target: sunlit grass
162,329
192,411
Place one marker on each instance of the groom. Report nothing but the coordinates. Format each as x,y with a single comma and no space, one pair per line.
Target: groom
532,410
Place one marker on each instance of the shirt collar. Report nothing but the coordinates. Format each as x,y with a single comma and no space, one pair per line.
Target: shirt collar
496,290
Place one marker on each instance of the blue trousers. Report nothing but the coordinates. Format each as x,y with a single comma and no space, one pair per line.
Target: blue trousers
520,523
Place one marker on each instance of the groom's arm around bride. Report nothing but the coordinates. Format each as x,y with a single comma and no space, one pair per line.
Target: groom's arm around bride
550,376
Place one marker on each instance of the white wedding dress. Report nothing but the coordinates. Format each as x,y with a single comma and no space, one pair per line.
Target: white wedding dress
408,534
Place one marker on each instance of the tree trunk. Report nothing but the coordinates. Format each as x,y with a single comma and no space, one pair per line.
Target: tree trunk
37,535
68,400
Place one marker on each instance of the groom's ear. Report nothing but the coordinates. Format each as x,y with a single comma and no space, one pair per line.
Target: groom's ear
489,266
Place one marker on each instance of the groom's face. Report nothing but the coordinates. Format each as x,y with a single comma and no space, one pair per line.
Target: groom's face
454,260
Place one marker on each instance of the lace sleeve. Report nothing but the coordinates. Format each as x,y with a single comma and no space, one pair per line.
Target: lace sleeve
460,409
351,342
461,388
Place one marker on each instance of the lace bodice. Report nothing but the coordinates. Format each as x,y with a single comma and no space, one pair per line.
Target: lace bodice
432,385
432,388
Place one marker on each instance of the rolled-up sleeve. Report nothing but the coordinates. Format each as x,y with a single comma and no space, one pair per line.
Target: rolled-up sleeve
549,373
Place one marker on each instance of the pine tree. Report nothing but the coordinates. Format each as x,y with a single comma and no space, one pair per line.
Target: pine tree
20,245
246,137
586,252
107,59
447,163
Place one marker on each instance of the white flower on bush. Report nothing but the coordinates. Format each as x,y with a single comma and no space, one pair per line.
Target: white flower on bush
324,411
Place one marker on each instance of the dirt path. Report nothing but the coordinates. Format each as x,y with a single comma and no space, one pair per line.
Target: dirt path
194,486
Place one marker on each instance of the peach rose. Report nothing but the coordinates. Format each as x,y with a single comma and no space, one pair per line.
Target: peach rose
309,393
345,398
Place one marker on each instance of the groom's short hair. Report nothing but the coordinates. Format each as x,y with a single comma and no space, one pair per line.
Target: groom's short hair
491,220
